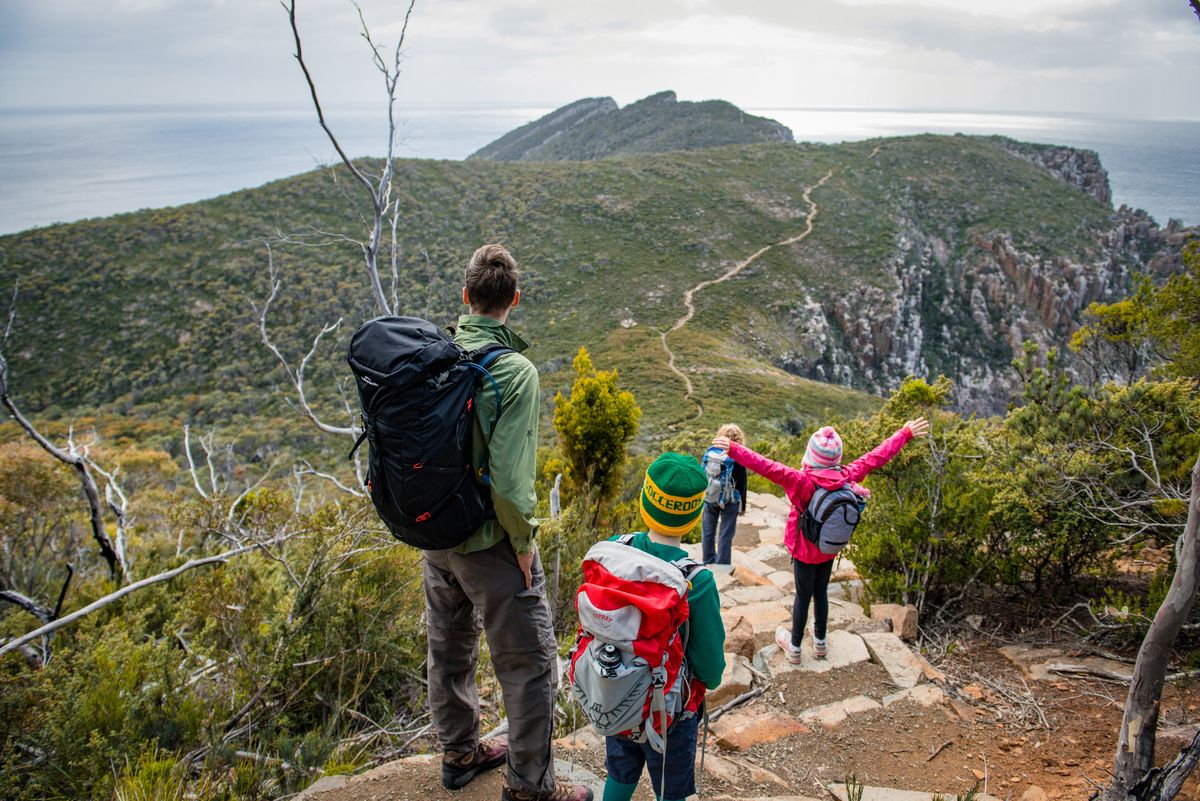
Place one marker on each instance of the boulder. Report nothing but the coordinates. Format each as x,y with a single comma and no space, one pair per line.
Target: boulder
904,619
739,731
1034,793
737,680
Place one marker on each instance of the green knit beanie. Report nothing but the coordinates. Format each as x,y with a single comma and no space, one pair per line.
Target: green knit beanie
673,493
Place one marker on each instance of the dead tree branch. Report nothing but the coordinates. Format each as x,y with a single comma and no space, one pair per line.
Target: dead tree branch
113,597
379,195
78,459
295,375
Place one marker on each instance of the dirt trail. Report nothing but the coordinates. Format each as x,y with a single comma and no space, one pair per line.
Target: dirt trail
689,296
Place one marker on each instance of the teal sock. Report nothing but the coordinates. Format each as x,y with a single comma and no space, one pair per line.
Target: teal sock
615,791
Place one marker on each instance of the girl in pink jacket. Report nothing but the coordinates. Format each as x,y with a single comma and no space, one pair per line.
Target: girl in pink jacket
821,466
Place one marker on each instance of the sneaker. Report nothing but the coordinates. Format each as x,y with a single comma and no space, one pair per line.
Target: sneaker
561,792
459,769
783,638
819,648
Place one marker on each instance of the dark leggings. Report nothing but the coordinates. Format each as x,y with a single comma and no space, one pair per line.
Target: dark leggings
812,583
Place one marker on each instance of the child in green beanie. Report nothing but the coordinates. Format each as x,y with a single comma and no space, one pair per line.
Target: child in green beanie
671,502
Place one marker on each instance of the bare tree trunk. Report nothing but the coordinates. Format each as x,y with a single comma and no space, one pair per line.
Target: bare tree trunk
1135,744
114,555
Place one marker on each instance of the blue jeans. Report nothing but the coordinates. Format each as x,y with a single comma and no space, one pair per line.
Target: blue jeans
714,548
624,760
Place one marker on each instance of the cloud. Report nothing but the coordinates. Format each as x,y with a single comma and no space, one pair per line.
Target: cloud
1067,55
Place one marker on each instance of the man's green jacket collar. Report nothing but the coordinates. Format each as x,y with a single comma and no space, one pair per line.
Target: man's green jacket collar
503,334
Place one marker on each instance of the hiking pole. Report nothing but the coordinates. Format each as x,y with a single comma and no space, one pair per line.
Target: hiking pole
703,750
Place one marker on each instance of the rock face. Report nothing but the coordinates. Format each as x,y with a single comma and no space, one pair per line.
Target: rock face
595,128
964,308
1073,166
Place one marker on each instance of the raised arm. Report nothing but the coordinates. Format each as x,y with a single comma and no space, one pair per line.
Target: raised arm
861,467
775,472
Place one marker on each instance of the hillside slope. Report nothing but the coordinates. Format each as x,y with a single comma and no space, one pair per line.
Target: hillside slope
595,128
928,255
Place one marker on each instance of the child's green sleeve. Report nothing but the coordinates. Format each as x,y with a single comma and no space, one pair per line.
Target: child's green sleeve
706,635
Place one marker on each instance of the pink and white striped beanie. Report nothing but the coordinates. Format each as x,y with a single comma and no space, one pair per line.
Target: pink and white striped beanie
824,449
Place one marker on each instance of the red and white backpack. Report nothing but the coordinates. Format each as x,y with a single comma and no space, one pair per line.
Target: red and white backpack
627,667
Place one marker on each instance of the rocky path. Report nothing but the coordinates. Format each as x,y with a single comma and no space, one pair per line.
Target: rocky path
689,295
875,708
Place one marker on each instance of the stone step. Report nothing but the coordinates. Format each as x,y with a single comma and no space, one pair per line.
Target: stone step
742,730
903,666
830,716
735,772
767,552
768,502
839,792
844,649
739,596
924,694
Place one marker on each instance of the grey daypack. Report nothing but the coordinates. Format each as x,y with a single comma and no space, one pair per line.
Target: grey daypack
830,518
718,468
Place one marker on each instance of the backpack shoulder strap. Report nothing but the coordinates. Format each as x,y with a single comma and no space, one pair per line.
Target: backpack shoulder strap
626,539
688,566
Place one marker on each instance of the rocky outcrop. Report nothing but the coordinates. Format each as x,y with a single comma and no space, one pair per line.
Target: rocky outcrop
596,128
1073,166
965,309
518,144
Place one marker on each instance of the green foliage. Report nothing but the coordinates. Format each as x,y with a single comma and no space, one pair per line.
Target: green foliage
1174,315
281,653
1133,612
594,426
654,124
1155,325
603,244
927,524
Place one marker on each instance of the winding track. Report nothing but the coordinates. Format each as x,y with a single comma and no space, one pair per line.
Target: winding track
689,296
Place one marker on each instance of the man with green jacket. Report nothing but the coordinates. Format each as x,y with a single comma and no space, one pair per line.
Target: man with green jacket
495,578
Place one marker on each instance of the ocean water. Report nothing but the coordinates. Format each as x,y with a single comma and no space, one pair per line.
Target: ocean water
61,165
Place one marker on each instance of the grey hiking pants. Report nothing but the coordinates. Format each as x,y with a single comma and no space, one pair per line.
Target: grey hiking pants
461,592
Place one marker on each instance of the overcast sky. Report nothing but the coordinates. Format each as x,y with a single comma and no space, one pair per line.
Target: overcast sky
1138,58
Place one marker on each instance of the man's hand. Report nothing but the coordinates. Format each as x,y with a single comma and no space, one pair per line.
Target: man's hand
525,562
721,442
918,427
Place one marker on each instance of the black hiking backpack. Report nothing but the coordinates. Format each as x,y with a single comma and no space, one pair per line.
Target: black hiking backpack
417,386
829,520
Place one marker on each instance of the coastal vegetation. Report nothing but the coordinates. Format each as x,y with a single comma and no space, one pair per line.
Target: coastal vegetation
275,634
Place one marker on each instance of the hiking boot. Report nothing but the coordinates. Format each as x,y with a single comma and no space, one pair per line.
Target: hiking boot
561,792
783,638
458,769
820,648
